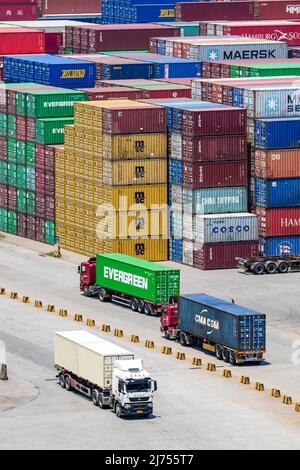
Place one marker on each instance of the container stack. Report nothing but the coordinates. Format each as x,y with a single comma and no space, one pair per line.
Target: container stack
111,181
208,176
32,117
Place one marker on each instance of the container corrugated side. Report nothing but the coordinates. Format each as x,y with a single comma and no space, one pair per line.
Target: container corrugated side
278,133
278,222
215,175
215,200
137,198
223,255
277,192
142,248
276,163
134,172
129,146
225,228
280,246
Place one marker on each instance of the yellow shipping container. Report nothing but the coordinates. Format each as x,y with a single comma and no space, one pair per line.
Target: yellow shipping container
126,198
133,172
130,146
148,249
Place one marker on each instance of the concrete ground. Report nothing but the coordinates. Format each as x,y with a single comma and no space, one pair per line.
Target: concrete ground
194,409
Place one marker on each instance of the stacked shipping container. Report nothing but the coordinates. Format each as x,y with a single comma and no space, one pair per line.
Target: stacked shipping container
32,117
112,171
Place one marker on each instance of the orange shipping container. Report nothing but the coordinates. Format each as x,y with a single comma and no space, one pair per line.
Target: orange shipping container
277,163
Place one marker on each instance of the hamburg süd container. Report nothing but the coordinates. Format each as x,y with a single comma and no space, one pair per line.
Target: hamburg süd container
225,228
137,278
223,255
276,193
278,222
280,246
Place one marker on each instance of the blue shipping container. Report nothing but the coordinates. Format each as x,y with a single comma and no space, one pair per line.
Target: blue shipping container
279,246
176,172
176,250
223,323
277,133
277,193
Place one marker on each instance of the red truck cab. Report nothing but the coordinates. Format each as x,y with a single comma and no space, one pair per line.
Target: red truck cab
87,271
169,322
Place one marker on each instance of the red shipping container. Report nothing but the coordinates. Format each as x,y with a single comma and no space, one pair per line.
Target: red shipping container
208,149
18,10
278,163
40,205
3,148
40,183
40,230
50,208
3,196
49,184
147,118
278,222
22,41
30,130
214,121
50,158
21,128
22,225
12,198
223,255
31,227
215,175
167,93
112,93
40,156
56,7
53,42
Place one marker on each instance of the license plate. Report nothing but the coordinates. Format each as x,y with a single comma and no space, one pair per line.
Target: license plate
139,412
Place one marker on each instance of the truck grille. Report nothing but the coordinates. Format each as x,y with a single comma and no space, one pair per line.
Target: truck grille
137,400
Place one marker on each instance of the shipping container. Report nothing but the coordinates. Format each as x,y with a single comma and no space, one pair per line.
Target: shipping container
277,163
21,41
147,249
134,146
223,255
214,121
208,149
278,222
214,175
280,246
51,131
225,228
276,193
132,172
279,133
137,278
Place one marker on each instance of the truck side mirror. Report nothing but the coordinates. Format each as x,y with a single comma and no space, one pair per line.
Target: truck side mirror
79,269
154,386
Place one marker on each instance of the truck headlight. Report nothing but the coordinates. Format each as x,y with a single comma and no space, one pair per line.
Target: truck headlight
127,407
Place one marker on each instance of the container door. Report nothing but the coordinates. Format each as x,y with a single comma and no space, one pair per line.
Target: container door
161,286
259,332
251,333
245,327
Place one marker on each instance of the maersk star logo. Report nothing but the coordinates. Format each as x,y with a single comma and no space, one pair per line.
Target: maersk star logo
213,54
272,104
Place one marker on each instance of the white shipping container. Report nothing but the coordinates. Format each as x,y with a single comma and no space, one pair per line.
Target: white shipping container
226,228
272,101
176,146
177,224
188,253
176,198
188,227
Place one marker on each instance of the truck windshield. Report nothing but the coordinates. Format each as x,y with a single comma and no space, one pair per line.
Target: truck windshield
136,386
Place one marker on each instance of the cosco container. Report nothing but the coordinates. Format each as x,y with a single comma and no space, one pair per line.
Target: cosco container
225,228
276,163
278,133
223,255
215,200
277,192
280,246
137,278
278,222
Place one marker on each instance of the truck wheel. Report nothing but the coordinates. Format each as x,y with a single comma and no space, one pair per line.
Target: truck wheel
232,358
167,335
102,295
219,353
259,269
148,310
225,355
118,410
68,384
100,402
183,340
62,381
134,305
140,306
86,291
95,397
283,268
270,267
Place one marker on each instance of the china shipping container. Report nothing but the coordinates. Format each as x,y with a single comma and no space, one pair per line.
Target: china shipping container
223,255
278,222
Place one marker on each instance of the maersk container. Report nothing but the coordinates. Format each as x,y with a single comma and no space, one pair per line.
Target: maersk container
225,228
280,246
137,278
272,101
278,133
223,323
51,131
277,193
215,200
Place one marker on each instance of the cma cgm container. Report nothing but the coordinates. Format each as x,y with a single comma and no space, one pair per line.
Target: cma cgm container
278,222
279,133
277,193
136,283
235,334
278,246
226,228
223,255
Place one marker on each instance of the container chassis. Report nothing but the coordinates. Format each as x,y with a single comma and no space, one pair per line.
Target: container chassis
270,264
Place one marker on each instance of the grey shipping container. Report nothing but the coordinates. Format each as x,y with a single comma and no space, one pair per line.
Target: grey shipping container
231,328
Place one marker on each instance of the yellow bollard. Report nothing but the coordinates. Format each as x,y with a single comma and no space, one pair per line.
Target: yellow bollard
91,323
180,356
78,318
166,350
211,367
2,291
197,362
245,380
14,296
63,313
227,374
297,407
150,344
287,400
119,333
275,393
38,304
259,387
25,300
106,329
51,309
134,339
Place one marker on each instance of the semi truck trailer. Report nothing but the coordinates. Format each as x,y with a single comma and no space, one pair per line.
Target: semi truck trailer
107,374
143,286
234,334
259,265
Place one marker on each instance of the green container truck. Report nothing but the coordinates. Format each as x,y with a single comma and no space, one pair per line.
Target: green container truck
143,286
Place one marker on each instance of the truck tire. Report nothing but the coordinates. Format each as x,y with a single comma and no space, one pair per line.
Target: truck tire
134,305
62,381
232,358
258,269
148,310
102,295
283,268
270,267
118,410
167,335
100,402
140,306
225,355
183,340
219,353
86,291
95,397
68,384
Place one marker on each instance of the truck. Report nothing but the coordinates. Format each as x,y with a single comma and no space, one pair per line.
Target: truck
145,287
105,373
259,265
234,334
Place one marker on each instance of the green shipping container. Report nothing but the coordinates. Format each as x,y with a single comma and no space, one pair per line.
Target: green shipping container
186,28
3,220
30,178
280,69
52,103
12,153
21,176
50,232
21,152
12,222
30,203
3,173
30,153
3,125
51,131
137,278
11,126
12,174
21,201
